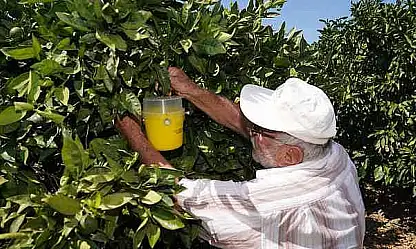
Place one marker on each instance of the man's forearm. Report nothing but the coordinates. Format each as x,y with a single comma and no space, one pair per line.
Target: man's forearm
138,142
219,108
148,154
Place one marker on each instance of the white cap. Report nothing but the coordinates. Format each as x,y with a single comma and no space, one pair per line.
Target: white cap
295,107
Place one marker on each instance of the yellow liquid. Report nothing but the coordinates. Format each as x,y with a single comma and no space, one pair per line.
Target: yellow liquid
164,130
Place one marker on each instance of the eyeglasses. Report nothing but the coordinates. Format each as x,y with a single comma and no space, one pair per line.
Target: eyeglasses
255,129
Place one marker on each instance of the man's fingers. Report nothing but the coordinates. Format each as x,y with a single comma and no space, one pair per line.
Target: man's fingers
176,72
173,70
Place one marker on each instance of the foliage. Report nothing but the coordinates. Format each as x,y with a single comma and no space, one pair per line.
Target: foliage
99,194
72,66
368,64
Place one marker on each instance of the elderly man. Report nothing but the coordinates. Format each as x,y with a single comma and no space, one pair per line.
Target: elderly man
306,197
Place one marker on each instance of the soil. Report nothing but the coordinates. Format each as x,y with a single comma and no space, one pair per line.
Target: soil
391,218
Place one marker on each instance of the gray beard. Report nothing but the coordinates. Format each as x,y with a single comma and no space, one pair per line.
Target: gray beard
262,159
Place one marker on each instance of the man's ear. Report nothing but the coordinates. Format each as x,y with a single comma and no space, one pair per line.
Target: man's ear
289,155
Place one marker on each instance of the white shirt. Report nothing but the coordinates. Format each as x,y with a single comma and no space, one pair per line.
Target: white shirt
310,205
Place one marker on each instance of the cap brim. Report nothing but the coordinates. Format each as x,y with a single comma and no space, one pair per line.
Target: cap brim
256,103
258,106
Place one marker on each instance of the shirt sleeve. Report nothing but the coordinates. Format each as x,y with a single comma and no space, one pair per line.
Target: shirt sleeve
224,207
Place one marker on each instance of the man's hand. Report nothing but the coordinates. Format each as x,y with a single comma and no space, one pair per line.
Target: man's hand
218,108
180,82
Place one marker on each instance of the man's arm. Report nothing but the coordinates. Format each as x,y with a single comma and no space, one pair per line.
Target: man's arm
132,132
220,109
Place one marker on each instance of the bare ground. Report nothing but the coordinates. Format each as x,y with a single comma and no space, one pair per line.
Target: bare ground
391,218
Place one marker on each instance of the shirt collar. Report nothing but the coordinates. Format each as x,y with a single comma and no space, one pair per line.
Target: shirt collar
263,173
317,164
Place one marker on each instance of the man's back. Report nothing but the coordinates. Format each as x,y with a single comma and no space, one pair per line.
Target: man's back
310,205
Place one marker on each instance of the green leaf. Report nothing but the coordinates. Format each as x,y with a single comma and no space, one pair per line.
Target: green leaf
378,173
27,83
138,238
24,154
35,1
47,67
24,201
137,35
63,204
127,74
33,87
153,234
19,53
110,226
293,72
22,106
131,103
5,129
98,9
79,88
198,63
3,180
17,223
280,61
11,115
102,178
13,236
186,44
137,19
143,216
166,219
151,198
62,94
209,46
101,73
65,44
115,167
112,66
112,41
56,118
105,111
88,38
14,32
409,41
75,22
73,154
223,37
84,245
18,82
103,147
36,46
168,201
307,69
131,176
89,224
293,33
85,9
187,6
116,200
69,225
163,78
140,233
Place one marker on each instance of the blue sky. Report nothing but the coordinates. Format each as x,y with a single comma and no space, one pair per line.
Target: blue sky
305,14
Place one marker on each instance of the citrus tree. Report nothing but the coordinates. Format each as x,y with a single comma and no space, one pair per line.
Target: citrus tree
368,68
68,180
